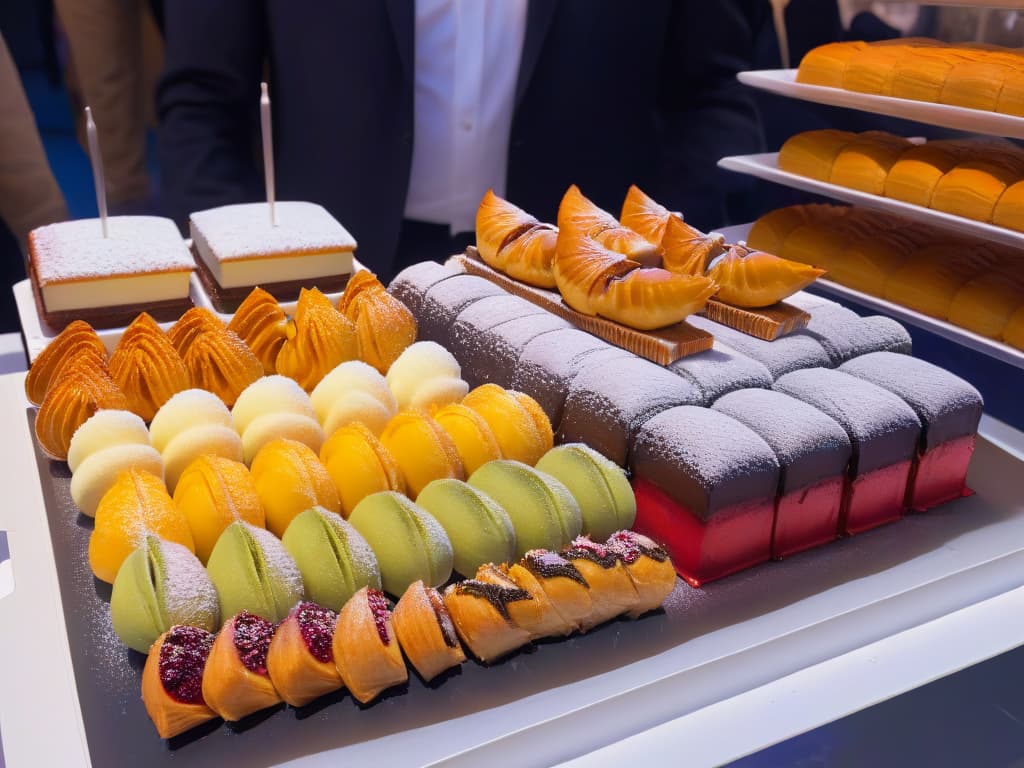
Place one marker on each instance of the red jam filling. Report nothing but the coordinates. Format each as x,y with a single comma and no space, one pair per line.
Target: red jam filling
316,624
379,608
252,641
183,657
630,549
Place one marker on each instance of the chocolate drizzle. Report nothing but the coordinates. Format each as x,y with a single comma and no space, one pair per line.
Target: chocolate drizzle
584,549
631,547
545,564
495,594
444,620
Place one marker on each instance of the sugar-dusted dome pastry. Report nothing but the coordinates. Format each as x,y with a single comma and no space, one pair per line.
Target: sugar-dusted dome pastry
354,391
319,337
422,450
474,439
271,407
359,465
518,423
384,325
512,241
78,339
147,368
259,321
290,479
426,376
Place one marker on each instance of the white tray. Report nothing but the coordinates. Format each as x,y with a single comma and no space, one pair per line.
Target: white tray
766,166
783,82
955,333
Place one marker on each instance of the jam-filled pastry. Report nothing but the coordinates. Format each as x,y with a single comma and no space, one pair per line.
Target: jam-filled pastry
78,339
426,632
579,216
512,241
147,368
301,659
561,582
649,567
366,650
172,680
259,321
536,615
236,682
757,279
481,614
384,325
685,249
611,588
319,338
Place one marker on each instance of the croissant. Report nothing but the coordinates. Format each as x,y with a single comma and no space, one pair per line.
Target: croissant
579,215
685,249
597,281
757,279
77,339
512,241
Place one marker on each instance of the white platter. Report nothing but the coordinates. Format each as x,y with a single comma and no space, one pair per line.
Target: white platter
766,166
783,82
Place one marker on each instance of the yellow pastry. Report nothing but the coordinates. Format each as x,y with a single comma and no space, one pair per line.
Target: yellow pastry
1011,97
1009,210
813,153
864,163
359,465
986,303
826,64
758,279
319,338
520,426
147,368
384,325
78,339
914,176
190,325
975,84
422,450
931,277
865,265
290,479
972,189
1013,332
259,321
873,70
473,437
922,75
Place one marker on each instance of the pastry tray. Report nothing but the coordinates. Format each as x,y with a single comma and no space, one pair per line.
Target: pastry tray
783,82
561,698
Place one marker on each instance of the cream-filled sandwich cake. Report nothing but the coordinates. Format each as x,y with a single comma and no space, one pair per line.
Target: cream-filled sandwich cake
237,247
78,274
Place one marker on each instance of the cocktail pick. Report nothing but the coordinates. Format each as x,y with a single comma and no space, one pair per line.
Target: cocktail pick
97,168
779,17
268,150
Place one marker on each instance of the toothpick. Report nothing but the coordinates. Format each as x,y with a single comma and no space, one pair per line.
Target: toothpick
97,168
268,150
779,16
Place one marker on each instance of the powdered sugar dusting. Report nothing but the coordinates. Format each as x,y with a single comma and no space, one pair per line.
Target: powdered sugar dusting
412,283
720,370
280,566
445,300
188,594
787,353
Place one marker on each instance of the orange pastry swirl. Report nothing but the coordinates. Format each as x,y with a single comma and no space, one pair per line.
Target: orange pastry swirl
384,325
147,368
190,325
318,339
260,323
579,215
77,339
757,279
512,241
220,362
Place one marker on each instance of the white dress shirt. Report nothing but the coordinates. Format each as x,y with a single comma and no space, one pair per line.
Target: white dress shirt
467,64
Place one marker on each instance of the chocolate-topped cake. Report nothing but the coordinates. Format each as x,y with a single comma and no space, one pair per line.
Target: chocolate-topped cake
412,283
787,353
813,451
705,487
720,370
843,334
444,300
949,409
608,401
883,431
887,335
549,363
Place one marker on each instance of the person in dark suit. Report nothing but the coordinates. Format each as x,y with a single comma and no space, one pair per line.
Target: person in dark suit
604,93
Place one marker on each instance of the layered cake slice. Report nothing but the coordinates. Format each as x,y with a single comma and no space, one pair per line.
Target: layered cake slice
238,248
949,409
883,432
787,353
77,274
719,370
813,452
705,487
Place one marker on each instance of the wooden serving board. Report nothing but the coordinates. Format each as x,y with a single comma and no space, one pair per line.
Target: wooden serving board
768,323
663,346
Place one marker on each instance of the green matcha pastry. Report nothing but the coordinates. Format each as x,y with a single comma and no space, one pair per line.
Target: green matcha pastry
409,543
252,571
159,585
479,529
334,558
543,511
600,487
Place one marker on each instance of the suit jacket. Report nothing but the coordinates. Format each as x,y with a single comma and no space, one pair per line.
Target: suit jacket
609,93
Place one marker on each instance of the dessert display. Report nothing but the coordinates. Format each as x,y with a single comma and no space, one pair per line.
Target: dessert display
217,359
318,338
359,466
649,567
473,437
289,479
421,449
238,247
365,648
410,286
515,243
301,659
426,376
78,273
260,322
444,295
353,392
147,367
384,326
172,680
333,557
236,682
611,588
721,369
274,407
519,425
921,70
480,612
78,339
159,585
425,631
536,617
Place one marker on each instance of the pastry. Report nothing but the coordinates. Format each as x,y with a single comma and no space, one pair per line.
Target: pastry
561,583
813,452
1009,210
366,650
1013,332
705,488
146,367
135,506
109,442
771,230
1011,97
579,218
217,360
290,479
537,616
359,465
412,283
480,612
191,423
883,432
985,304
520,426
719,370
813,153
190,326
513,242
352,392
426,376
425,631
384,325
301,659
333,557
757,279
477,526
864,163
238,246
914,176
253,572
236,682
172,680
686,250
975,84
159,585
648,565
599,486
446,298
409,543
543,512
274,407
81,270
318,339
611,589
260,322
787,353
473,437
972,188
78,339
826,64
949,410
928,280
421,449
921,76
211,494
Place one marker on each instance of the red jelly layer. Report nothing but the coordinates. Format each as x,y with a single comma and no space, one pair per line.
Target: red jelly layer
735,538
875,498
807,517
252,641
940,475
183,655
316,624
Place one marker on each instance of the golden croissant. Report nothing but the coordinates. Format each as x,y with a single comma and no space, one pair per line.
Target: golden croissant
757,279
513,242
78,339
685,249
580,216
